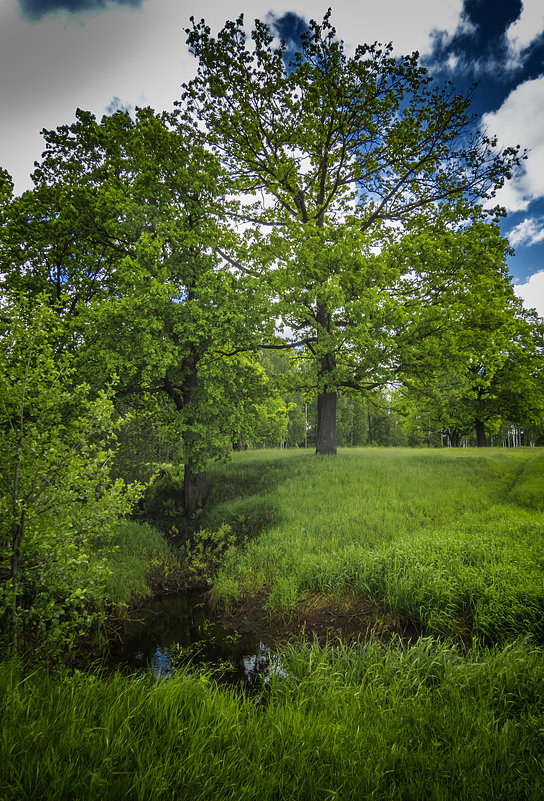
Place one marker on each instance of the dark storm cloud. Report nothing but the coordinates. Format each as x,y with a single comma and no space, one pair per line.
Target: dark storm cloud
290,28
482,39
479,49
36,9
490,18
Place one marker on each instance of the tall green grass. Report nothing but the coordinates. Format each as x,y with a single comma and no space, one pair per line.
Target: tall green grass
440,536
455,539
364,722
528,488
138,548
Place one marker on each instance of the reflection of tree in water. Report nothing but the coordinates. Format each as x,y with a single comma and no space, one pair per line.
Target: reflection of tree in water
173,634
262,664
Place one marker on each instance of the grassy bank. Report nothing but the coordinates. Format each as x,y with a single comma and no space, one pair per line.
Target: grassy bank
452,538
363,722
140,550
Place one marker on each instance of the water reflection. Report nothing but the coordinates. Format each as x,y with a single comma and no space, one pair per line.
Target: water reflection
167,634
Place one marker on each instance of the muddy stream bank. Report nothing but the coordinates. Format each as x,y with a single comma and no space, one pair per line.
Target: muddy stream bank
164,634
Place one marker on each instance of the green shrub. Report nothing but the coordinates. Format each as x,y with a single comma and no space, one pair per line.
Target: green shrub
58,501
163,499
206,550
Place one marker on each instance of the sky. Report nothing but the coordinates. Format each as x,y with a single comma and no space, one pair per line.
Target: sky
102,55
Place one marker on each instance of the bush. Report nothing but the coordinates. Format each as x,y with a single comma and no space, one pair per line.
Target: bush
163,499
58,503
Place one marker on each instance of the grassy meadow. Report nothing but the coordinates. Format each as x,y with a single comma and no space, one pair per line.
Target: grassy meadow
454,539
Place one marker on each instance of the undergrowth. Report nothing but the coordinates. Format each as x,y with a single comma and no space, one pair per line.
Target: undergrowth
138,548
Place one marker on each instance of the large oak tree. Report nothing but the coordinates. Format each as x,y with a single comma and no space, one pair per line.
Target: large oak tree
337,152
122,231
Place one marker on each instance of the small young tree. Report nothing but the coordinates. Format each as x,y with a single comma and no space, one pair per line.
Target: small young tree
57,502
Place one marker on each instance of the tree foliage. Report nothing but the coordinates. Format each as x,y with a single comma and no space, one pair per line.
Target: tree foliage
123,228
58,503
335,150
482,364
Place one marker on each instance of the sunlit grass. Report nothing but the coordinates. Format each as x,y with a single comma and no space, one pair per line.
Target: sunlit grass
452,538
437,535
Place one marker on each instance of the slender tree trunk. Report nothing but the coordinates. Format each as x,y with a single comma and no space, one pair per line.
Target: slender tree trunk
481,440
15,551
195,488
16,539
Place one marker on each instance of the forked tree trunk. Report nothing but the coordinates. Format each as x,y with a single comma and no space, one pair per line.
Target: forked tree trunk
481,440
195,485
195,488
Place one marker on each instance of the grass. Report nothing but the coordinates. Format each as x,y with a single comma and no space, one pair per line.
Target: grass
363,722
139,547
438,535
452,538
528,490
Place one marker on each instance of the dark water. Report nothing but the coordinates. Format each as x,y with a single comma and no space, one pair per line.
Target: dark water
167,634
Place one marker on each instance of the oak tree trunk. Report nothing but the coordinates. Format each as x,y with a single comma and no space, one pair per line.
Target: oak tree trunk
481,440
326,424
195,488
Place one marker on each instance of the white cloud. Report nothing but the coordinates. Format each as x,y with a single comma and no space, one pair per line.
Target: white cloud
453,62
527,232
525,30
139,56
520,120
410,26
62,63
532,293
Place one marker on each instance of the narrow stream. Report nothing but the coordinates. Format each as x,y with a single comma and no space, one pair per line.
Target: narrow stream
166,634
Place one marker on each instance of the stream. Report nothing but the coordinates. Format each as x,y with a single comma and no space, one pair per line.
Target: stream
165,635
